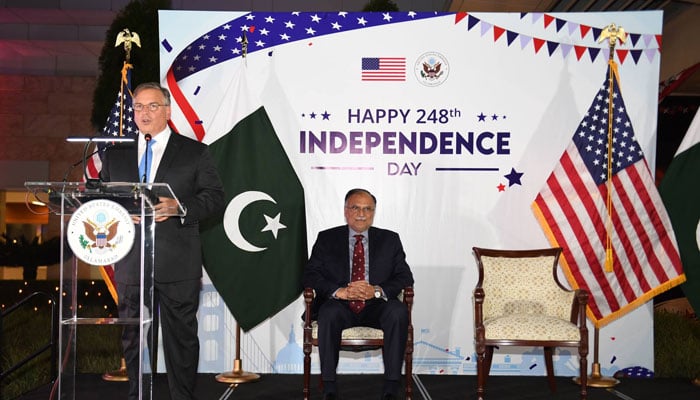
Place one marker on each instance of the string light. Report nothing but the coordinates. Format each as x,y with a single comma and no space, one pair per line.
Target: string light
92,297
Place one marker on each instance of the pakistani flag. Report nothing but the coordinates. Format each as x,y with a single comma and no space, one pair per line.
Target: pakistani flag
680,192
255,255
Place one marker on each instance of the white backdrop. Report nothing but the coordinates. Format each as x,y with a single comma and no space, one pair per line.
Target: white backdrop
514,87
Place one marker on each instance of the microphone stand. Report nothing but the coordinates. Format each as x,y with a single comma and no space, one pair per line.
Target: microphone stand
75,164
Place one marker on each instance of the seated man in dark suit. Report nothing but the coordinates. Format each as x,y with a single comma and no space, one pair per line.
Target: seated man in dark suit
357,272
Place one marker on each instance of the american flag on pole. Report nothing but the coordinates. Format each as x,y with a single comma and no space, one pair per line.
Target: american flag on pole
576,213
120,123
384,68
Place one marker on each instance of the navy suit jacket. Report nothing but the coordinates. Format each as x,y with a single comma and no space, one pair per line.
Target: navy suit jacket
328,268
189,169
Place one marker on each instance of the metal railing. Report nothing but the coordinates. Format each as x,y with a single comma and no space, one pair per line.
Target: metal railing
50,346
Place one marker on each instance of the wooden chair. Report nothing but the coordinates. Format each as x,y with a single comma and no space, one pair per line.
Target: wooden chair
356,339
519,301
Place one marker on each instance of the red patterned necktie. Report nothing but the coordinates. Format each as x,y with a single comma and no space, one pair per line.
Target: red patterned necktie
358,271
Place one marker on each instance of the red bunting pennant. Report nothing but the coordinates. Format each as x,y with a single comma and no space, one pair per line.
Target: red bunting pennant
497,32
621,55
547,20
538,44
584,30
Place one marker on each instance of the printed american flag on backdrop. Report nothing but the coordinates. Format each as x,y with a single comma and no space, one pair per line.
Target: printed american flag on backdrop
120,123
571,208
384,68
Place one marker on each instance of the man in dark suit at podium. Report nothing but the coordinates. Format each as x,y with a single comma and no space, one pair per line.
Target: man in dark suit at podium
187,167
358,271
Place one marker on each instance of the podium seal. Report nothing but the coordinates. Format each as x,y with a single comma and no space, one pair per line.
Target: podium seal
100,232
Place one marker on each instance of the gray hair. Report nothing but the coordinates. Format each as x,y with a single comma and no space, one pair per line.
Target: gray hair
156,86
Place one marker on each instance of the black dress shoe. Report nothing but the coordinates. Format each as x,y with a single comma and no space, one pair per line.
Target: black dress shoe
330,396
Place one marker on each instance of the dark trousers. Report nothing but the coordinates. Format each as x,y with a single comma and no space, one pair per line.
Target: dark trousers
178,304
389,316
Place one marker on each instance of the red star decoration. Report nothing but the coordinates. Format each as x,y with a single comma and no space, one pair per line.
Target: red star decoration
501,187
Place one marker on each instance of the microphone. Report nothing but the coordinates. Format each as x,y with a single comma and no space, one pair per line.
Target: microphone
144,178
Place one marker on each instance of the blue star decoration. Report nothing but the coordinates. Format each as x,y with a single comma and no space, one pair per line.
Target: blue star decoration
514,177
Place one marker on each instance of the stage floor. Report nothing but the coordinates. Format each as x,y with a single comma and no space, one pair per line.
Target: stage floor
361,387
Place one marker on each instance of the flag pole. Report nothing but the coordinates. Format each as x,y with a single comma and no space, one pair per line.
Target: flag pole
238,375
612,33
127,38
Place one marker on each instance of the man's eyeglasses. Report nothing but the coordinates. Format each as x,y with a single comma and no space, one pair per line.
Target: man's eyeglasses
150,107
357,209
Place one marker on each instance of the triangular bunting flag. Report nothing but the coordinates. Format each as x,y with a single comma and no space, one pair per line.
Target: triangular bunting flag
538,44
471,21
547,20
497,32
593,52
584,30
621,55
560,23
485,27
634,38
524,40
459,17
636,54
510,37
565,49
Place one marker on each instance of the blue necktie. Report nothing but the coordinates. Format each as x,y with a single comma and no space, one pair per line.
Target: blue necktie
145,170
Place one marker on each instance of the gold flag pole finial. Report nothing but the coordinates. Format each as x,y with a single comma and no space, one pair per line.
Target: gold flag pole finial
613,33
127,37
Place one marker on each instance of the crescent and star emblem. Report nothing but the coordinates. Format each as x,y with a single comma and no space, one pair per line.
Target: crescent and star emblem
233,213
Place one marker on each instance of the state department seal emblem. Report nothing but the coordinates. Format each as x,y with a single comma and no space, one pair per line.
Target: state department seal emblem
100,232
431,69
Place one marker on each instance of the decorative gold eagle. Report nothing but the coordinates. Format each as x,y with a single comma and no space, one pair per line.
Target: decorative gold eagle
613,33
127,38
101,235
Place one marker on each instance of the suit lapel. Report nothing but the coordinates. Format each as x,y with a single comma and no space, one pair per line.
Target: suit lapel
345,252
169,156
371,240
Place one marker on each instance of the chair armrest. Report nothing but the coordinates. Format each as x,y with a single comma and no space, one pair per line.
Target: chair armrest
578,307
479,329
408,297
479,296
408,301
309,295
